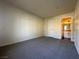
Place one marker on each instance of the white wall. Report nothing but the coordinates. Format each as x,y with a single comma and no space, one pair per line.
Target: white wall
76,26
52,25
17,25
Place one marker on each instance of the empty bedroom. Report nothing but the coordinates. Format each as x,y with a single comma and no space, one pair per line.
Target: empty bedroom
39,29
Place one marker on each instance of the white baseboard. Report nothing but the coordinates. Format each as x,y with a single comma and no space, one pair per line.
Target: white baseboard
17,41
77,48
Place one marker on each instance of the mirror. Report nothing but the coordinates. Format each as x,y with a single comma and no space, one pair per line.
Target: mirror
66,26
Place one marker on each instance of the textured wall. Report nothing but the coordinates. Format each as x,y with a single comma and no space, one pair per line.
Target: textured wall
76,26
17,25
52,26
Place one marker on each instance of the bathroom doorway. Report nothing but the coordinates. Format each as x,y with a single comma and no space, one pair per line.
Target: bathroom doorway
66,24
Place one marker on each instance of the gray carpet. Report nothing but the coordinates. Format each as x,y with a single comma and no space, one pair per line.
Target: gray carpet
40,48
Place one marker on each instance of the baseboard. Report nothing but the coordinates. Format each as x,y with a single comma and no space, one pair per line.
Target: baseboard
76,48
10,43
53,37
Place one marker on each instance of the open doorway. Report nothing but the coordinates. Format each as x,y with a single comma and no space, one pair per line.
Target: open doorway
66,24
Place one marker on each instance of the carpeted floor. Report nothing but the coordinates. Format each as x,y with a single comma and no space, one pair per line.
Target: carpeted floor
40,48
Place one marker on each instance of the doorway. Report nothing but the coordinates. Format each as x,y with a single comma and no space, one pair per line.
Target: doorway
66,28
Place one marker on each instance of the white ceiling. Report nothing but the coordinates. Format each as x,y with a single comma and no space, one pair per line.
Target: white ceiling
45,8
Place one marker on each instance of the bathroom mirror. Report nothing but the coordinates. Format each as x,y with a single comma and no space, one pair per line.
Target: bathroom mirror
66,26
